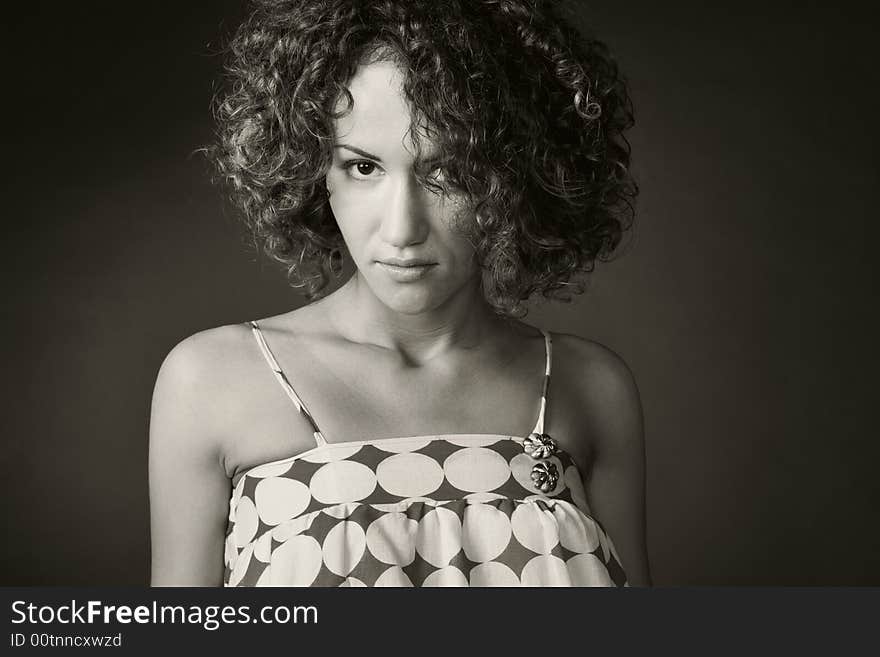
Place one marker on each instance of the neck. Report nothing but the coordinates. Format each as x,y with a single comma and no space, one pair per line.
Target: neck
461,321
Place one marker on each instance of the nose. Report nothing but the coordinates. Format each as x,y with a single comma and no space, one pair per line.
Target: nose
405,220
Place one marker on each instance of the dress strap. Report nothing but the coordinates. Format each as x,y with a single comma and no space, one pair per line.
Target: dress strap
282,379
548,349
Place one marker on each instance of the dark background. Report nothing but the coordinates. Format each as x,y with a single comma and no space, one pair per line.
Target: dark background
744,303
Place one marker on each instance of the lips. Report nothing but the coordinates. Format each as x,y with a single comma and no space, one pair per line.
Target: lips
414,262
406,271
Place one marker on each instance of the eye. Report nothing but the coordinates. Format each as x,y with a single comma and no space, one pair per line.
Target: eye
362,169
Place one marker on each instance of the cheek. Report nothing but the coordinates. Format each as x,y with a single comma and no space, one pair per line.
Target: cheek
466,261
459,255
350,201
352,220
454,228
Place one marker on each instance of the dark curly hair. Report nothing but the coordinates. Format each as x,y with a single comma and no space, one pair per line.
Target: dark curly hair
529,118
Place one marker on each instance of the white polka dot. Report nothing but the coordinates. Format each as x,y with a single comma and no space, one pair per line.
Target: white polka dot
521,466
400,446
341,511
352,582
493,574
279,499
588,570
405,504
263,548
342,481
394,576
246,522
293,527
343,547
545,570
474,439
392,539
274,469
476,469
577,532
485,532
231,552
331,453
241,565
576,486
534,528
391,507
449,576
409,475
296,562
439,536
483,497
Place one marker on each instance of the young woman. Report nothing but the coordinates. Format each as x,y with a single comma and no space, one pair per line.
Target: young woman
407,428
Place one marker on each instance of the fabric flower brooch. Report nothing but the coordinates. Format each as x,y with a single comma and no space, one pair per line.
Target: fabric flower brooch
544,474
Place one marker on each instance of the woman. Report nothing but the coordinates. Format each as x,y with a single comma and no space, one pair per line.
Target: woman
405,429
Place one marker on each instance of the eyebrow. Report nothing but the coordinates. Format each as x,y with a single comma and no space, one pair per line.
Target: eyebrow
360,152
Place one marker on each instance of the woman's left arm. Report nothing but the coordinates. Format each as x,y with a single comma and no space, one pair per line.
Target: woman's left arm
616,485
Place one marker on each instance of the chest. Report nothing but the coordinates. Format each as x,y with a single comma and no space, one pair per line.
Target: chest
357,394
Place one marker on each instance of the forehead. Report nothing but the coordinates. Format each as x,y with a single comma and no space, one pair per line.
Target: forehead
379,120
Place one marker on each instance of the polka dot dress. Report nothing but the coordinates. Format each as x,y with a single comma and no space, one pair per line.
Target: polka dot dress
447,510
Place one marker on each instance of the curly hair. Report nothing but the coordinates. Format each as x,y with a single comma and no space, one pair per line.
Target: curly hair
528,115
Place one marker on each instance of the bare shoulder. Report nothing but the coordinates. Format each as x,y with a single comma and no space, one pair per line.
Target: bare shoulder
189,487
202,358
609,425
600,369
198,376
600,383
218,379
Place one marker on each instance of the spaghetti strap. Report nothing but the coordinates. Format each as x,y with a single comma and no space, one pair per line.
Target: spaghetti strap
282,379
548,349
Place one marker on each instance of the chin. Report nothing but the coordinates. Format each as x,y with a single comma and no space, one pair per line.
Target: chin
413,298
410,298
411,301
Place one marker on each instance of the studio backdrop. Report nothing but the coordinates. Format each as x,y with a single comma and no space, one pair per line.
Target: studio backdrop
743,301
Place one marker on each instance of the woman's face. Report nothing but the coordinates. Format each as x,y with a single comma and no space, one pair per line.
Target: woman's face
398,232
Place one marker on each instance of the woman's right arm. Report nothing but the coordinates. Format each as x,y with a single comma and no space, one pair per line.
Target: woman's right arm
189,488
